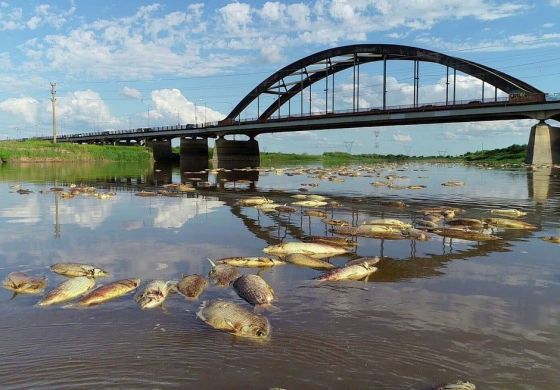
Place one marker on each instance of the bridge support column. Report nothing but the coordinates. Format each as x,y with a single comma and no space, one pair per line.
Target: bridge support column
161,149
231,154
194,148
544,145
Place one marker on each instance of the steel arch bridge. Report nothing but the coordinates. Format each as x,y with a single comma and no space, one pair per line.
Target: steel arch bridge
292,80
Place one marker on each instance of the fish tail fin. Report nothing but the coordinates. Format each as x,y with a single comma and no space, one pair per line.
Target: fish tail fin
259,309
199,312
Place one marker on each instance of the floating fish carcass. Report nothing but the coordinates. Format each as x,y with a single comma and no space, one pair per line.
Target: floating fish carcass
508,212
305,248
388,222
335,222
370,231
22,283
255,200
310,203
453,183
191,286
250,262
399,204
509,223
361,260
70,289
329,240
348,272
155,293
222,274
266,207
146,194
255,290
470,222
553,239
465,234
458,385
110,291
78,269
233,318
308,261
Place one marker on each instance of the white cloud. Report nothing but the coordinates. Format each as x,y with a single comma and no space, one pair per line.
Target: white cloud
235,17
512,42
555,3
132,93
85,109
171,104
402,137
548,25
24,108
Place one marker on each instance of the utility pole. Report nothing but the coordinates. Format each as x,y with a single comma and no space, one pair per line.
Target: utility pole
53,100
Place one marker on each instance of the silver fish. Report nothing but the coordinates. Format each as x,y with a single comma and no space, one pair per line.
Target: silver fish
78,269
230,317
68,290
350,272
254,290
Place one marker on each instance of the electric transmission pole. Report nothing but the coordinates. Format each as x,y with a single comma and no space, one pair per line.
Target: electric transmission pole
53,100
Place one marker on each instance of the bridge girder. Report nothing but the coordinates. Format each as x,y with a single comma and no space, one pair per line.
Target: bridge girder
362,54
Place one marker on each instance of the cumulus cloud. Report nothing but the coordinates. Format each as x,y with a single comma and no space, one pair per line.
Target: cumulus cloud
398,137
171,104
23,108
132,93
85,109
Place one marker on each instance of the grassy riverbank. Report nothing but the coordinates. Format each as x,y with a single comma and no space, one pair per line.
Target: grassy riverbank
514,154
45,151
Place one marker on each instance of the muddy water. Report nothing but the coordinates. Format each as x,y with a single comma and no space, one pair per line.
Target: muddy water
435,312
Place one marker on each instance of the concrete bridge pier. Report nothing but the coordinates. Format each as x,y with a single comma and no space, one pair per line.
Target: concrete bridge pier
161,149
194,148
236,154
544,145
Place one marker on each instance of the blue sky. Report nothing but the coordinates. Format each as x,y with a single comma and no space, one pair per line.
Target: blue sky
127,64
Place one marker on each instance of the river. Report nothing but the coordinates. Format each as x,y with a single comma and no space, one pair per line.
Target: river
436,311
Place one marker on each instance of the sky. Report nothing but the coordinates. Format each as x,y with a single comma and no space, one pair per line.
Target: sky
124,64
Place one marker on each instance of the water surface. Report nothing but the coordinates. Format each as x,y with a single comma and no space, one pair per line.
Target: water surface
435,312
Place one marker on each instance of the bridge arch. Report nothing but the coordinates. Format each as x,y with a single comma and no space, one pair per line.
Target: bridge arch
323,64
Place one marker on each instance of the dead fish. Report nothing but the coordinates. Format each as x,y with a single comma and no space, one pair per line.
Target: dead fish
416,234
192,286
304,247
426,224
459,385
253,201
553,239
316,197
388,222
285,209
335,222
23,191
266,207
308,261
146,194
250,262
349,272
110,291
360,260
465,234
416,187
24,284
255,290
315,213
453,183
509,223
310,203
68,290
371,231
508,212
155,293
230,317
299,196
222,274
335,241
470,222
78,269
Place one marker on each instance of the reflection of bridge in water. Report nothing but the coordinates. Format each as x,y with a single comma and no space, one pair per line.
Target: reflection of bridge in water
283,226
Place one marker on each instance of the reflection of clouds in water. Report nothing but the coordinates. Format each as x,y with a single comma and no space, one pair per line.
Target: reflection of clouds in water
133,224
175,215
29,213
89,213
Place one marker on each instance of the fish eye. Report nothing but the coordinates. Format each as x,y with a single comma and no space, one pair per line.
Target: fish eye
260,333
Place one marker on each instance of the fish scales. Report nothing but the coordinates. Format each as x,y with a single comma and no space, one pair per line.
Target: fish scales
254,289
70,289
110,291
231,317
192,286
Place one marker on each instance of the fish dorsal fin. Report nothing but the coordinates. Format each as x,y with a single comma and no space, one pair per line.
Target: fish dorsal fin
211,262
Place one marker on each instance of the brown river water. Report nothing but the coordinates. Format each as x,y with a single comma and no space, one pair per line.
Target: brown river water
436,311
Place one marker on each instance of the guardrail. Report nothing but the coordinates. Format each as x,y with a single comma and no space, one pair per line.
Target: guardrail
512,99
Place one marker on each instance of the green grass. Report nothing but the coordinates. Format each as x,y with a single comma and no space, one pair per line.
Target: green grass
514,154
45,151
